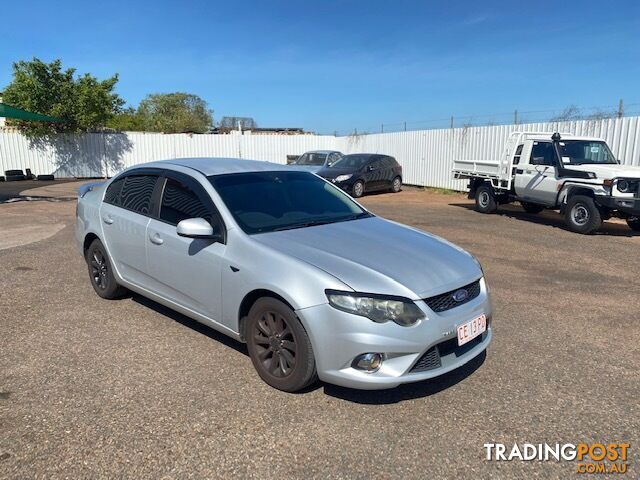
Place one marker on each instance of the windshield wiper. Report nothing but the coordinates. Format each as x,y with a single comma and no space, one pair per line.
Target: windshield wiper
322,221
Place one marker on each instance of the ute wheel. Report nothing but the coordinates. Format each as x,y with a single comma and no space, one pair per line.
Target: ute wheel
634,223
396,185
582,215
279,346
531,207
101,272
486,199
358,189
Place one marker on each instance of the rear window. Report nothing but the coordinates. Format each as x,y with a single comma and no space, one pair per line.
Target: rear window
136,193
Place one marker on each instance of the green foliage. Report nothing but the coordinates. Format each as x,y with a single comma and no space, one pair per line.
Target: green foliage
127,121
175,113
84,103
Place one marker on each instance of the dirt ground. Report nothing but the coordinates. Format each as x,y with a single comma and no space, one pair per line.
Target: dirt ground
91,388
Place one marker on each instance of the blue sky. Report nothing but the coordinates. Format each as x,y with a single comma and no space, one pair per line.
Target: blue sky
340,65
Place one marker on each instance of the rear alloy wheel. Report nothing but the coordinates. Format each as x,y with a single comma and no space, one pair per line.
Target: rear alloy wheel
582,215
279,346
531,207
101,272
634,223
358,189
486,199
396,185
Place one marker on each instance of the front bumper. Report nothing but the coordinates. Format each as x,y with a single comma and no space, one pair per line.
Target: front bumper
338,337
628,205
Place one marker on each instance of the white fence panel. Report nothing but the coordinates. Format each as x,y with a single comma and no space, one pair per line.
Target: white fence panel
425,155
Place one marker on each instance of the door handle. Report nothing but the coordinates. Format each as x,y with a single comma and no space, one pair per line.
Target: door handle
156,239
108,219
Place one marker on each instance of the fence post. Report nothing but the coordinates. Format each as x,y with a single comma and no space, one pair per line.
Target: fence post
621,109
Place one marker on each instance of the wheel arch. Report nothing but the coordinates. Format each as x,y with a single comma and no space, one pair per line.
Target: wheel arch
88,240
571,191
248,301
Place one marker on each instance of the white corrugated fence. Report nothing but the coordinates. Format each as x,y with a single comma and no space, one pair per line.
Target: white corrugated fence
425,155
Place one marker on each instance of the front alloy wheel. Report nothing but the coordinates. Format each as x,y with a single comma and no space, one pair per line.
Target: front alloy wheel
358,189
279,346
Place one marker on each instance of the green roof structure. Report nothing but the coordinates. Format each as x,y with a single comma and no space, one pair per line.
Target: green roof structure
8,111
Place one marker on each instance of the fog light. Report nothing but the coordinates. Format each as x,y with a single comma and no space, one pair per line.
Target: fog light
368,362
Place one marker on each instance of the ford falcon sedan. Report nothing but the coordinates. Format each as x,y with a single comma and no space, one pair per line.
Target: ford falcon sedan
317,286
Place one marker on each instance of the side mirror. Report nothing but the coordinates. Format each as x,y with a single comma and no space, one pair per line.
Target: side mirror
196,228
370,168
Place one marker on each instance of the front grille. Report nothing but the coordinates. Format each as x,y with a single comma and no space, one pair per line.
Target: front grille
431,358
445,301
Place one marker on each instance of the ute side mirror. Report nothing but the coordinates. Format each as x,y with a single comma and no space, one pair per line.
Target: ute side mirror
197,228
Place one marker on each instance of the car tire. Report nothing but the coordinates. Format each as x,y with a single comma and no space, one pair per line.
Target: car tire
582,215
486,199
531,207
358,189
634,223
101,272
279,346
396,185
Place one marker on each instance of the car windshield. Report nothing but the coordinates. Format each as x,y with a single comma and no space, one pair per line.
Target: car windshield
312,158
268,201
351,161
580,152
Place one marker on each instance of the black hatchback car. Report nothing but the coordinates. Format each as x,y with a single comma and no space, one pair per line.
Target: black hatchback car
364,172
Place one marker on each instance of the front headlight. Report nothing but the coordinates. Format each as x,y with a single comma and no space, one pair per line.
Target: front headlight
376,307
343,178
623,185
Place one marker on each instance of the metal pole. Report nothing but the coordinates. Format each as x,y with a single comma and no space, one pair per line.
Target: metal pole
621,109
382,128
451,121
515,117
405,126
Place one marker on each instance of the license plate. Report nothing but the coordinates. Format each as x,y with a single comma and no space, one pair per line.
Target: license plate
470,330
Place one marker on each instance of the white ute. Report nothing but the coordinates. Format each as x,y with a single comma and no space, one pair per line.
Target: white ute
577,175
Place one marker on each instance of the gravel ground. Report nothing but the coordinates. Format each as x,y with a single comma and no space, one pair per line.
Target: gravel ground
91,388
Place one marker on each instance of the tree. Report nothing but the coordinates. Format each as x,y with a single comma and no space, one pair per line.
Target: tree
82,103
128,120
175,113
231,123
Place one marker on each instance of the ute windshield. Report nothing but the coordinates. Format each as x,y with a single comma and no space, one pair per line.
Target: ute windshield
270,201
583,152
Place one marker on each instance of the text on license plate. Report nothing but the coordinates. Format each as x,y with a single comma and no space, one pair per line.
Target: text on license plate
470,330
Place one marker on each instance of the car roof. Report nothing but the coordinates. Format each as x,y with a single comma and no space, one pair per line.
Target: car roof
322,151
218,166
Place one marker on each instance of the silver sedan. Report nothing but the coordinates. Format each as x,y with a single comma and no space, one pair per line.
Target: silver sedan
317,286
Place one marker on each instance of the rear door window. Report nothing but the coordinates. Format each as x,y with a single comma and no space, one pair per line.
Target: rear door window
136,193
